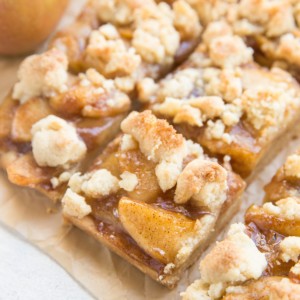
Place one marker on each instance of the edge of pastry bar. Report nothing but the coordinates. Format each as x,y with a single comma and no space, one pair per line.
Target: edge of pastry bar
52,118
128,40
223,100
261,257
153,198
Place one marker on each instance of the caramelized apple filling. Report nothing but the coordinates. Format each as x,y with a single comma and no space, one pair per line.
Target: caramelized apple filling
133,189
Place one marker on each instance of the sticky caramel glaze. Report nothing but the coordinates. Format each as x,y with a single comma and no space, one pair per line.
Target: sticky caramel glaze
281,187
244,150
106,217
267,241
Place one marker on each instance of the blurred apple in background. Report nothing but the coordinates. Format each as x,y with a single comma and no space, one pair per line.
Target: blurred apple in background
25,24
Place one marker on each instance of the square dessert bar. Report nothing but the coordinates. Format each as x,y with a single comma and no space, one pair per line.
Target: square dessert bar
223,100
130,39
53,120
153,198
261,259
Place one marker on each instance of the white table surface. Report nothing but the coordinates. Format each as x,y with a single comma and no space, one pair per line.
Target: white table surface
28,274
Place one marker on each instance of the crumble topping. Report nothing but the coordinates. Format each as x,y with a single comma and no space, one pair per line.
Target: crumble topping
290,248
41,75
118,11
288,208
203,181
226,83
180,84
288,48
146,89
186,20
55,143
128,143
296,269
265,107
95,184
292,166
198,290
74,205
159,142
63,177
232,261
229,51
129,181
155,38
215,30
107,52
274,17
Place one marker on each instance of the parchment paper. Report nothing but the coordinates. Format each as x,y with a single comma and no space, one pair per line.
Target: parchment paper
103,274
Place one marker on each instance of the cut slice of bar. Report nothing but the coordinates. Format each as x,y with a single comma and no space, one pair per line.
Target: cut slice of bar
51,120
223,100
153,198
261,259
130,39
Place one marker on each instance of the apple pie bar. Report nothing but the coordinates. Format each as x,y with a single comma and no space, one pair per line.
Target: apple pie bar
130,39
52,119
225,101
261,259
153,197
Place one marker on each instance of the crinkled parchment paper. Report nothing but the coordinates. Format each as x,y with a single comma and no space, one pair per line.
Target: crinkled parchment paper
103,274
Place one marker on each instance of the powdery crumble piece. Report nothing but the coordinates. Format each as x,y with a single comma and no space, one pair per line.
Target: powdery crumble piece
215,30
198,290
109,54
129,181
118,11
181,84
95,184
289,48
288,208
274,17
290,248
203,181
74,205
128,143
159,142
216,130
63,177
55,143
155,38
235,259
41,75
229,51
265,107
226,83
186,20
295,270
292,166
146,89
